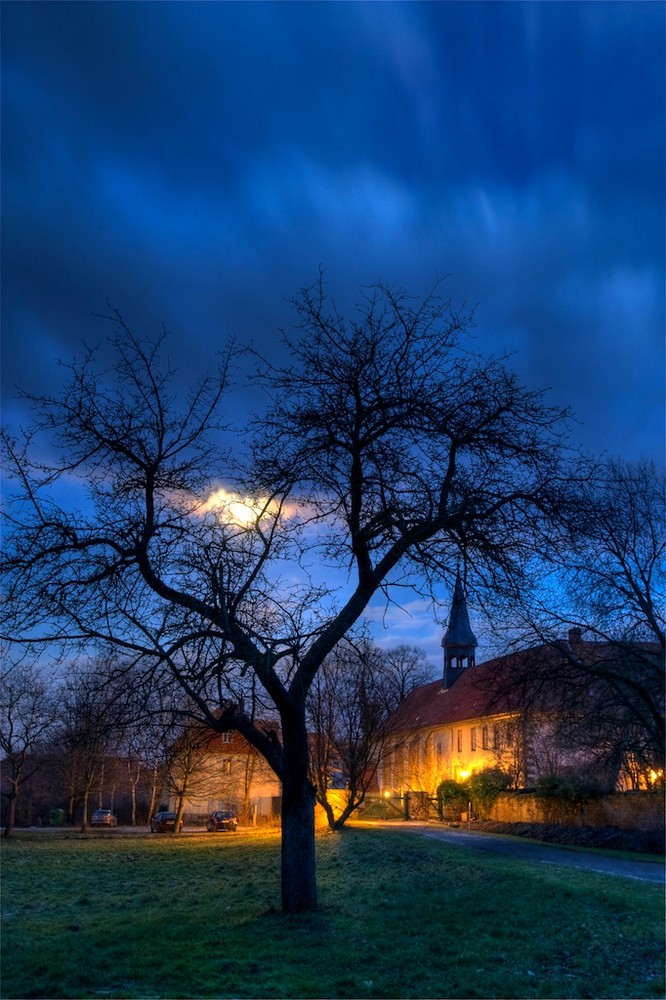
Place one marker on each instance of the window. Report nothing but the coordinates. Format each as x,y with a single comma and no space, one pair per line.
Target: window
438,749
459,740
472,738
226,765
227,737
485,738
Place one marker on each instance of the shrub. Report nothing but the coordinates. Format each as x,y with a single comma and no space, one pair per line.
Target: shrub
569,787
452,795
484,787
563,795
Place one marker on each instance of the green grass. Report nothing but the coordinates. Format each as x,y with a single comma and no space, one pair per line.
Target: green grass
115,916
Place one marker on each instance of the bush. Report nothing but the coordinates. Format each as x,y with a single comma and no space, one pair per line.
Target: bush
452,795
450,791
569,787
484,787
562,796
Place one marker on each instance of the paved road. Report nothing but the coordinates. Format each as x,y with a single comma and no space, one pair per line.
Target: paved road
545,854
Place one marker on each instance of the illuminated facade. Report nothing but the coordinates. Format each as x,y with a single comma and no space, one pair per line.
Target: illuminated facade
451,728
489,715
231,774
450,732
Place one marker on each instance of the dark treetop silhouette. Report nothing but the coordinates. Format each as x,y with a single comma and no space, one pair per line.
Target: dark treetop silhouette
388,450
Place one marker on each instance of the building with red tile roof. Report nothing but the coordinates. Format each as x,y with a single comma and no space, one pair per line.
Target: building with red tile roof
503,713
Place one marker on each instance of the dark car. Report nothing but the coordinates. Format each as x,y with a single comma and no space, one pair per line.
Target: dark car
103,817
163,822
223,819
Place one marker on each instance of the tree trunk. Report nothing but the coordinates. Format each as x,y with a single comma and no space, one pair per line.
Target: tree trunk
328,809
250,765
153,791
299,879
180,810
11,814
84,818
133,804
353,802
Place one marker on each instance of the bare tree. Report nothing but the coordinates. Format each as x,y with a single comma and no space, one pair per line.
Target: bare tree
388,450
146,723
616,579
349,705
186,772
138,749
404,668
28,710
90,723
599,609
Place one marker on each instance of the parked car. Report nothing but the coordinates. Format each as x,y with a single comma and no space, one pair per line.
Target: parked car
103,817
163,822
222,819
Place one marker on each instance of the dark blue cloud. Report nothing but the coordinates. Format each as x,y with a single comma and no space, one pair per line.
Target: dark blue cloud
195,162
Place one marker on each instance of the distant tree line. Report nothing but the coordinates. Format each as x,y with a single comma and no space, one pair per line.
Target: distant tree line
83,743
98,740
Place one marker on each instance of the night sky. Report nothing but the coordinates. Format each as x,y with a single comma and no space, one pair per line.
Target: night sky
194,164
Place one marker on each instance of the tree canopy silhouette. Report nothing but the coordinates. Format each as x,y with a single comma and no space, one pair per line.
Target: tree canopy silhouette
388,452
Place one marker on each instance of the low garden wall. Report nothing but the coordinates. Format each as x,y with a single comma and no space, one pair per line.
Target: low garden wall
627,811
638,812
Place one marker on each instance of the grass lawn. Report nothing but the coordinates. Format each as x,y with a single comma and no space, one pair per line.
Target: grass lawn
108,915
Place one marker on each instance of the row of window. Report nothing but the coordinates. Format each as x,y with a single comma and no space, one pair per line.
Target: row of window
488,735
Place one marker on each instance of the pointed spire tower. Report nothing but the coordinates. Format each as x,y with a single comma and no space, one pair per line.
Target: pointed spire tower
459,641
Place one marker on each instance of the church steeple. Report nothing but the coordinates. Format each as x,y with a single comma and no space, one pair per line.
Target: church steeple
459,641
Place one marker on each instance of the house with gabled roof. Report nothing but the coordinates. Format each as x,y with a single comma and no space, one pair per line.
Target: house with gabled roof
227,773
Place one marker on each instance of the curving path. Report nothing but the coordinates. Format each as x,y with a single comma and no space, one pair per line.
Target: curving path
530,850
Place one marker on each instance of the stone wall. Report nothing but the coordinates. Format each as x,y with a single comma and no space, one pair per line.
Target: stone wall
628,811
